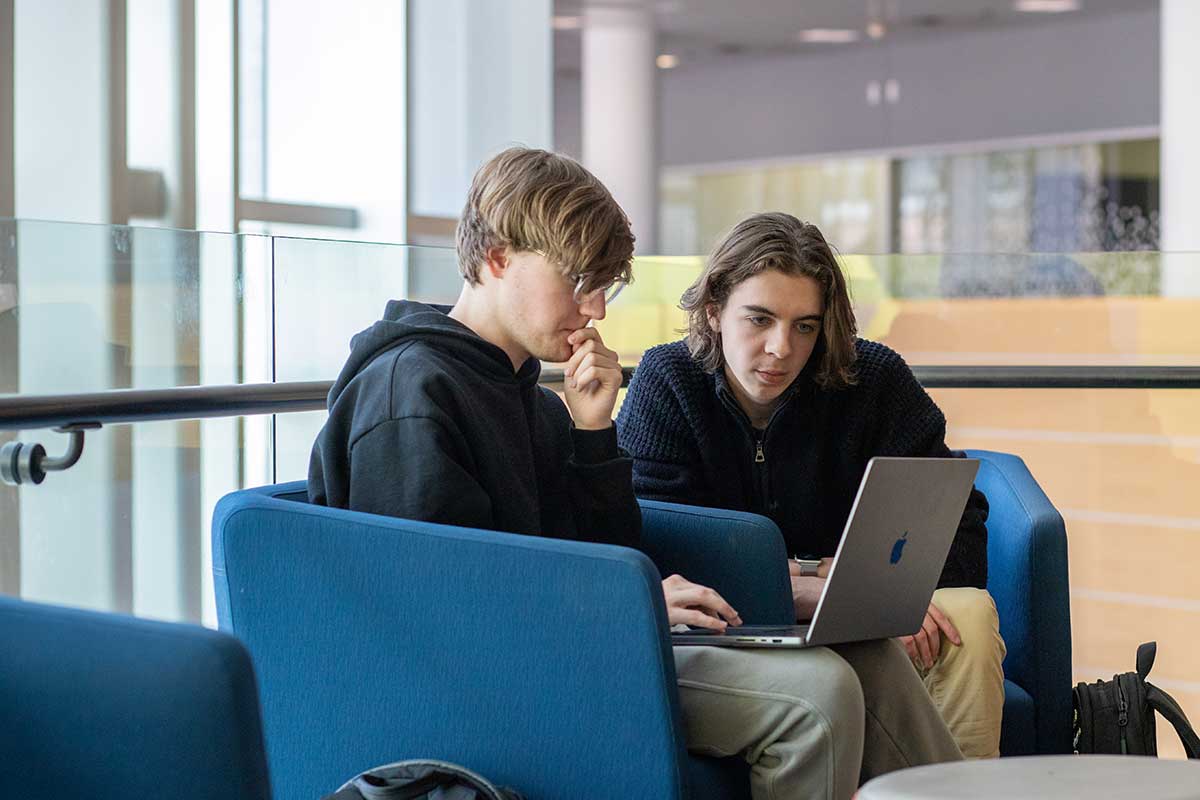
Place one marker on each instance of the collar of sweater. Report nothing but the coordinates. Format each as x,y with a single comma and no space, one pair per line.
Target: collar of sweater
802,385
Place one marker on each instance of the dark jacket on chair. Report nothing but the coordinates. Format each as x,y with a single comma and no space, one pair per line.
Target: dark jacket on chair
428,421
692,443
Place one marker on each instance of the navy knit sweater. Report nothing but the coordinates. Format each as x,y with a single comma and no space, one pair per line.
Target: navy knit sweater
692,443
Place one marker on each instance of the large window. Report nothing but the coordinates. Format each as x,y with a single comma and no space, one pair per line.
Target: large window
1086,197
321,100
1071,198
846,198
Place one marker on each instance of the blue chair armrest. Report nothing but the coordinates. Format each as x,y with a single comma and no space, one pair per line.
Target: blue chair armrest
1028,578
740,555
542,663
106,706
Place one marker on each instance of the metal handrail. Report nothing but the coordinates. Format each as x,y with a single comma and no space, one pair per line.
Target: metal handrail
115,406
23,463
26,412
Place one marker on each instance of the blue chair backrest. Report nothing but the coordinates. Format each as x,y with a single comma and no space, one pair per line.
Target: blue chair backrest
542,664
740,555
107,707
1027,576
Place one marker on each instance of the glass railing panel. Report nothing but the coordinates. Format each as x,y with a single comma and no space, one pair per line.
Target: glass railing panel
127,528
1045,309
1121,466
89,308
433,275
647,311
1086,308
94,307
327,291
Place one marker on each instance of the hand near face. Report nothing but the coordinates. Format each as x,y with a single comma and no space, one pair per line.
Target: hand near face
591,378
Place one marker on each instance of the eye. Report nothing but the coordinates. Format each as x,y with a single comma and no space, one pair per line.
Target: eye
806,327
760,321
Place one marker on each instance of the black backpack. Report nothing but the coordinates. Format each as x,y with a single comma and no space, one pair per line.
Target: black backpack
1117,716
421,780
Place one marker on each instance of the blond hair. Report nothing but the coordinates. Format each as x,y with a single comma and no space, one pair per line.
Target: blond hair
780,242
536,200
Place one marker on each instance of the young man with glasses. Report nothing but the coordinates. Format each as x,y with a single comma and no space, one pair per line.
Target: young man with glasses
438,416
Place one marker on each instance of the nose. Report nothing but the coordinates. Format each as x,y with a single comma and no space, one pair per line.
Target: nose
779,342
592,306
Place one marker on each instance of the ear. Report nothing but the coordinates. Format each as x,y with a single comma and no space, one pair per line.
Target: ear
714,317
496,260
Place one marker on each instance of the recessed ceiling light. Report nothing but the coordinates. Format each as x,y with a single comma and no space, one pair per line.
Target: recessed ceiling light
829,35
566,23
667,61
1046,6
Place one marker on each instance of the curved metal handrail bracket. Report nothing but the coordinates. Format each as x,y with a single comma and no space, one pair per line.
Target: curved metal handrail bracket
28,463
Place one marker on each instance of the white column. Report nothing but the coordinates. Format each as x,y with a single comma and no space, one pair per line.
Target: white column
1180,156
620,112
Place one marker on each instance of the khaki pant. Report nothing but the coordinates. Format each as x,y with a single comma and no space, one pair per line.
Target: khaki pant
967,682
812,723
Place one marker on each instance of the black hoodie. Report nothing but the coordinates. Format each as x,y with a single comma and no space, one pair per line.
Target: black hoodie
428,421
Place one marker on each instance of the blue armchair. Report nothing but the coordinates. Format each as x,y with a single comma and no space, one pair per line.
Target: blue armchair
108,707
543,664
546,664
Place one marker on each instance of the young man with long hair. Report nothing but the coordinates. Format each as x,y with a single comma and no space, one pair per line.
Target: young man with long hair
771,404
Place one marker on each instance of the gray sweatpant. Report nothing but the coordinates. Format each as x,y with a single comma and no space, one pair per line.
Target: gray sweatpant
811,723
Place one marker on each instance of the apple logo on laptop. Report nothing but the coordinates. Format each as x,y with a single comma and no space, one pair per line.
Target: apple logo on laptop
898,548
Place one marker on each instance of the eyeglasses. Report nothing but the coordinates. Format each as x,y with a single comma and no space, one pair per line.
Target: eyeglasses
585,288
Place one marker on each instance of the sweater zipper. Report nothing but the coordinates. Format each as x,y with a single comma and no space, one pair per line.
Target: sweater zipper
761,475
1122,714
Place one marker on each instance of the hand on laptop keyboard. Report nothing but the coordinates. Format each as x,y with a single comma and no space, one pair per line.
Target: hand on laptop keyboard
699,606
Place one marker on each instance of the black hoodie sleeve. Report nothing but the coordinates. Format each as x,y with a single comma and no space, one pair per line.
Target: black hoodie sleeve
600,485
408,467
911,424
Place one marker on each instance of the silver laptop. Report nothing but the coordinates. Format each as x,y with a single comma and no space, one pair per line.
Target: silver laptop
887,564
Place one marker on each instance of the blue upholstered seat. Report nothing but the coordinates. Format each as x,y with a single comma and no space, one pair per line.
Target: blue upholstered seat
107,707
544,664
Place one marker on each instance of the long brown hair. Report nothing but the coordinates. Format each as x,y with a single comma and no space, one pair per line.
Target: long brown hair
780,242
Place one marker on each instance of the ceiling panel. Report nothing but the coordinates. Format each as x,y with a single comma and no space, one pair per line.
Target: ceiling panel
703,30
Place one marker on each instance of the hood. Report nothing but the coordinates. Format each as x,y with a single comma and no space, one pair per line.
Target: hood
404,321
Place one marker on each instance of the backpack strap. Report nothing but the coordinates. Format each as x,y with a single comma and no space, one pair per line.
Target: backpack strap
347,792
1145,658
1164,704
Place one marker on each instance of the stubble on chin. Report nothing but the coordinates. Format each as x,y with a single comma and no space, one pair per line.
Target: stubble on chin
562,354
553,351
